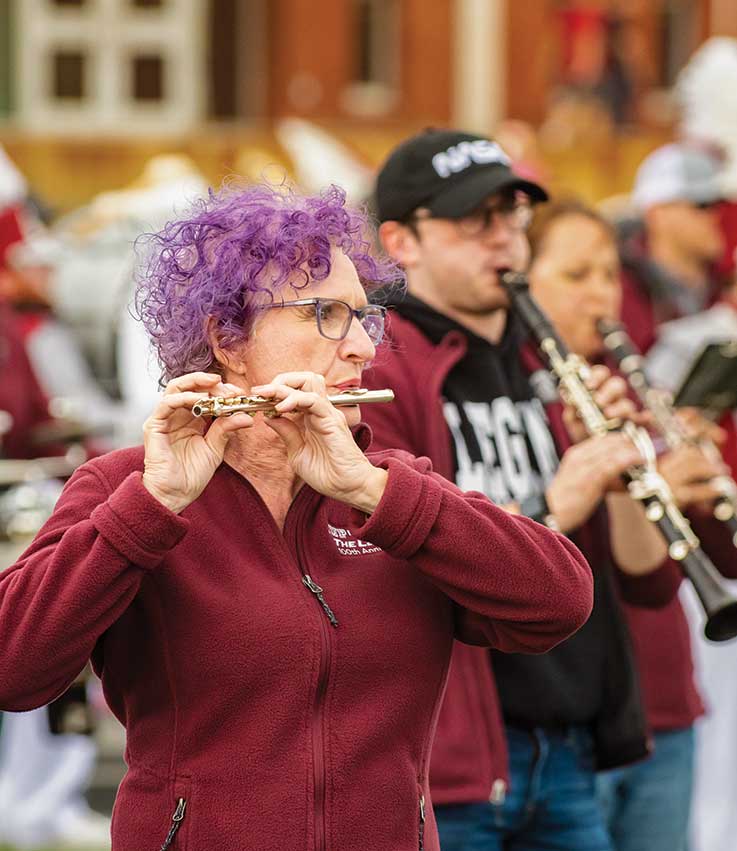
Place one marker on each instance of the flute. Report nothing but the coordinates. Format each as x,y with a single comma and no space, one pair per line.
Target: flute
644,483
629,360
223,406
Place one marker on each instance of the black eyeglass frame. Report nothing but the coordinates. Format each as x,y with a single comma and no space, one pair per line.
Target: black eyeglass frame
374,310
486,215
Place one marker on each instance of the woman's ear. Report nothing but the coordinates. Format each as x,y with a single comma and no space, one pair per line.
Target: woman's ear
227,361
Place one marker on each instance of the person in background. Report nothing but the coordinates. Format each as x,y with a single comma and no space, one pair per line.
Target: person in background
706,92
674,271
91,283
714,815
575,276
309,585
668,263
43,773
512,768
54,352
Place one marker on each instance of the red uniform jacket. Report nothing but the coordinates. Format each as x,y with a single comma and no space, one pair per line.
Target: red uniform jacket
661,637
278,729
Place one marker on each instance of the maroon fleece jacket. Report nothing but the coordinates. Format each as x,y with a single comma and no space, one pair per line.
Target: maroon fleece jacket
280,730
661,638
469,758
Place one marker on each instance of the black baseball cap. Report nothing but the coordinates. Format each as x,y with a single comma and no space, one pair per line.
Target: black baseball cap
448,172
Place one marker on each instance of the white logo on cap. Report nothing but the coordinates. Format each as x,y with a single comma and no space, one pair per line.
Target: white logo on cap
461,156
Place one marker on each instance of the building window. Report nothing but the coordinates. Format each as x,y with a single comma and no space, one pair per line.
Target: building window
68,70
373,90
107,65
376,41
7,58
680,37
148,78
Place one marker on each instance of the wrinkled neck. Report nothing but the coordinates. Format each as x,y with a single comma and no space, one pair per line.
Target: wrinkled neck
260,455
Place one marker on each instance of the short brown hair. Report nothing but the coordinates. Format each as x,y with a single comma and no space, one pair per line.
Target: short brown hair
547,214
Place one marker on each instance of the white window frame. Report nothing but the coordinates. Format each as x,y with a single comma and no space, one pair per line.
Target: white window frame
378,96
109,32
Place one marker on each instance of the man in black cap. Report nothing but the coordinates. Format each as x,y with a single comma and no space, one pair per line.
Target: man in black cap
512,770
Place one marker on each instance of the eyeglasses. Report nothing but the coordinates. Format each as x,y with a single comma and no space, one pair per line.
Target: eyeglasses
334,317
514,210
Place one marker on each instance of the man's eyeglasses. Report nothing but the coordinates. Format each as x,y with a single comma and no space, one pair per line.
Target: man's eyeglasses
334,317
514,210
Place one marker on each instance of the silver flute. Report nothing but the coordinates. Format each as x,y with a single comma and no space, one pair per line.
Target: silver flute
223,406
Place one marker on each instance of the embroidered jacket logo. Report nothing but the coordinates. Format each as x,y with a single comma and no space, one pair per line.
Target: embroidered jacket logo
348,545
461,156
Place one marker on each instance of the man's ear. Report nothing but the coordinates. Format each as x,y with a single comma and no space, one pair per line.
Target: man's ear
400,243
654,217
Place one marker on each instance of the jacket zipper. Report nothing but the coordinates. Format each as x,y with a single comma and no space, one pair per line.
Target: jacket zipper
317,730
176,822
298,507
318,739
421,843
317,591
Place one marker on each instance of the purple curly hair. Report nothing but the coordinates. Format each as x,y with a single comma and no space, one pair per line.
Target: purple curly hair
234,245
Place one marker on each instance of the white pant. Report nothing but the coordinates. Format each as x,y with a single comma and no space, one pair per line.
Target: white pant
42,776
714,808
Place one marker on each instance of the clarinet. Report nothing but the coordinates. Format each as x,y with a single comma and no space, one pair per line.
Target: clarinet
643,481
629,360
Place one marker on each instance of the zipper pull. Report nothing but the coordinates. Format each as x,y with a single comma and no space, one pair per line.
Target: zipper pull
317,591
176,822
421,837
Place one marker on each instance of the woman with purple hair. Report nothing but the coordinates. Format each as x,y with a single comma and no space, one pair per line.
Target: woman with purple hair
270,608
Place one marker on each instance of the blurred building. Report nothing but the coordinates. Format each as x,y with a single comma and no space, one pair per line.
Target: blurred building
113,81
167,66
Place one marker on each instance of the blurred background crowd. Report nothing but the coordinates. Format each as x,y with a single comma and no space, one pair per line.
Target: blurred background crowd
115,114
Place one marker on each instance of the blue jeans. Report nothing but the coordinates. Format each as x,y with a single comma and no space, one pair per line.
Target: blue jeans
551,804
646,805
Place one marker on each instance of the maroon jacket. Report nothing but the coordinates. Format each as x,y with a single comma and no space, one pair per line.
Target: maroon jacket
662,637
279,730
469,761
644,307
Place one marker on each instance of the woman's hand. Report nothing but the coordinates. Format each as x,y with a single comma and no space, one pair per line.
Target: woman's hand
691,477
698,427
587,471
320,446
183,451
610,394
